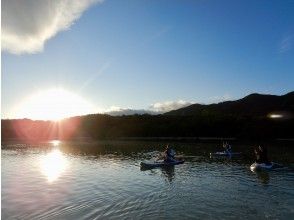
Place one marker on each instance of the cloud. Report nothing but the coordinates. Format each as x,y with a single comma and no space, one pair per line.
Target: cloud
286,44
154,109
117,111
27,25
169,105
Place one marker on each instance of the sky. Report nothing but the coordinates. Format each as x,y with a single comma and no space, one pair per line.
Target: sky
151,55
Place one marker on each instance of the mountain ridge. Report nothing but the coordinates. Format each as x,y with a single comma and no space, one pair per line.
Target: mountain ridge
256,116
253,104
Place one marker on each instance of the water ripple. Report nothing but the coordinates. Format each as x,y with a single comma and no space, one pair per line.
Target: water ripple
108,184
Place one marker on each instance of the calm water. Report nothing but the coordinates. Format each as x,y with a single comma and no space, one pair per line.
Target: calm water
104,181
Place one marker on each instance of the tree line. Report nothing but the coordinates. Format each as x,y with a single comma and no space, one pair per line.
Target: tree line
100,126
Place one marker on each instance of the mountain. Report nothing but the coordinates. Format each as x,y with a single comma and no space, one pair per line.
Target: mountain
257,105
246,118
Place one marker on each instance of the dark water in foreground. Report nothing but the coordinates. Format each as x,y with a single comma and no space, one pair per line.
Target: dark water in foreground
104,181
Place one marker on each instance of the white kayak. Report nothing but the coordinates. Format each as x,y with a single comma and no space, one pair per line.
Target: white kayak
261,166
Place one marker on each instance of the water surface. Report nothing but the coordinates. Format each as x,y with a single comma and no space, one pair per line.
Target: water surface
103,180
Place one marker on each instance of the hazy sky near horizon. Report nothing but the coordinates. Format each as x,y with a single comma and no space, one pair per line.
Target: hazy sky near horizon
146,54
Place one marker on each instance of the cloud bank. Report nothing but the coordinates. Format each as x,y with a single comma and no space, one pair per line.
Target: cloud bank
129,111
169,105
27,25
154,109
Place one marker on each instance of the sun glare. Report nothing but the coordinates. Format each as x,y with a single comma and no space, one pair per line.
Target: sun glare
53,165
276,116
55,143
54,104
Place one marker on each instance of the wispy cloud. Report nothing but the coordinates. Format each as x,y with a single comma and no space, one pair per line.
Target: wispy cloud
169,105
27,25
286,43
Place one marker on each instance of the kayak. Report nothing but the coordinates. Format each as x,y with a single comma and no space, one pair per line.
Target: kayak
224,153
152,164
261,166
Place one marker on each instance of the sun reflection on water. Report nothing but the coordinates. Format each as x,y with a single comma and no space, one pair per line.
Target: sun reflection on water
55,143
53,165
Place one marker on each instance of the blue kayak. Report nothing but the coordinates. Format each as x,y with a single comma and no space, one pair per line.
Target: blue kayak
153,164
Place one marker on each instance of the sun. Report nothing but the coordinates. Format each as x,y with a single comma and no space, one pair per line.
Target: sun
53,104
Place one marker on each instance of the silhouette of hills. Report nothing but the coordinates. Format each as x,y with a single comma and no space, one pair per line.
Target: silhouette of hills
246,118
254,105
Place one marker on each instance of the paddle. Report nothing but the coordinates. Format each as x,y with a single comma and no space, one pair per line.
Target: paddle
185,156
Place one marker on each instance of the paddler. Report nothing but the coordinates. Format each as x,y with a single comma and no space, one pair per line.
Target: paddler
261,155
169,155
227,147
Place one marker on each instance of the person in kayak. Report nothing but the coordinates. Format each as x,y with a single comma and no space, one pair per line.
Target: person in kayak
169,155
261,155
227,147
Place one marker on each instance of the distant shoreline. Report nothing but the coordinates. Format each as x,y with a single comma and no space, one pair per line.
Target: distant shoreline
160,139
179,138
